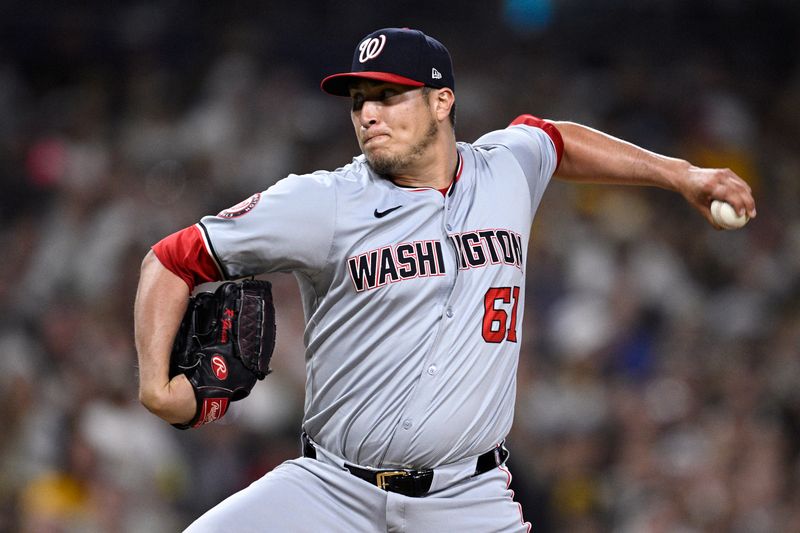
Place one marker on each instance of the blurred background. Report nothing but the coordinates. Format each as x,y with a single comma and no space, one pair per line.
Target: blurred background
658,382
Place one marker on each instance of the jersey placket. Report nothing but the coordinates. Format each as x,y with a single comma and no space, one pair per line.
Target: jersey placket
423,391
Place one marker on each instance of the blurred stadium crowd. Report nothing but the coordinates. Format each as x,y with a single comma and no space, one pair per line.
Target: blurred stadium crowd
658,382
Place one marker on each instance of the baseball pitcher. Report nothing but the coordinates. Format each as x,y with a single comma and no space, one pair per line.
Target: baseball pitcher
411,260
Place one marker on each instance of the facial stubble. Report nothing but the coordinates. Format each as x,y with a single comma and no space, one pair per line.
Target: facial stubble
390,165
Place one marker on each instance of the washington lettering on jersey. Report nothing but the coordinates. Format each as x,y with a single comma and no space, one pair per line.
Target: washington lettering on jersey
389,264
489,246
420,259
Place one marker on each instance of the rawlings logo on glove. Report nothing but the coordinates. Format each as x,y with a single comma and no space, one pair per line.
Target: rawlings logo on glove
224,345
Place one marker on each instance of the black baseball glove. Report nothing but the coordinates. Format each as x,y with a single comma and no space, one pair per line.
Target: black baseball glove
224,345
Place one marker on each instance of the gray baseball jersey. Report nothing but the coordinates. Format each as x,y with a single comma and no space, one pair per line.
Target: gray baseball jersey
413,298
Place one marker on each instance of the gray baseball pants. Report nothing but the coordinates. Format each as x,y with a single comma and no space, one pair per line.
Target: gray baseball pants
304,495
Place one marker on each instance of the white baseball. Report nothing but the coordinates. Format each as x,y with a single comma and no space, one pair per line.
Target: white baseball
725,216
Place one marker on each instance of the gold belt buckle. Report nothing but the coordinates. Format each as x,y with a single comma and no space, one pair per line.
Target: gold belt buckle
381,477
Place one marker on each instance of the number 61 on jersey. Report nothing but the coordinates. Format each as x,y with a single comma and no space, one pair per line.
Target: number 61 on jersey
498,323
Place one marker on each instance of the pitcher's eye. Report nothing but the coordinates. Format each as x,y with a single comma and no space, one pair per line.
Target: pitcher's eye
358,102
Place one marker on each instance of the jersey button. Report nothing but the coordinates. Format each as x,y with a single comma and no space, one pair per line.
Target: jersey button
407,423
449,312
432,369
449,227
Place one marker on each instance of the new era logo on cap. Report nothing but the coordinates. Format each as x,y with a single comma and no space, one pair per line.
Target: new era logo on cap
396,55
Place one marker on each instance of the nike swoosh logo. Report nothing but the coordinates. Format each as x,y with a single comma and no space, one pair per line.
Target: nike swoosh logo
381,214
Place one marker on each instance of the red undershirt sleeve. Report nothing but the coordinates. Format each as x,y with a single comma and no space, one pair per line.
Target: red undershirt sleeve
548,127
184,253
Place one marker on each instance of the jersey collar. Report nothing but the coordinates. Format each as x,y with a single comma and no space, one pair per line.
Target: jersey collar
456,177
446,190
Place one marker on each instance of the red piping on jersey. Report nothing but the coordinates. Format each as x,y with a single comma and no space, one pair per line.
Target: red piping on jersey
548,127
184,253
457,176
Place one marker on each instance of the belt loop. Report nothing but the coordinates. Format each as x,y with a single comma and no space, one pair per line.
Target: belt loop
307,447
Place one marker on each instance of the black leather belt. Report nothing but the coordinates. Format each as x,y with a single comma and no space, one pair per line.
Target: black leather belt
408,482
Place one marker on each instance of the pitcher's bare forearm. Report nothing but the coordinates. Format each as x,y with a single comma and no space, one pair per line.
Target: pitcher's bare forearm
161,301
591,156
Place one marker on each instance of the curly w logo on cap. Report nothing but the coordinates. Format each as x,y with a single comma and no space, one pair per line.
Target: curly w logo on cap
371,48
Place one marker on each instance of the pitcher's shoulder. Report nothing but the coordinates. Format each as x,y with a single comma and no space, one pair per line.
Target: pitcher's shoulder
357,171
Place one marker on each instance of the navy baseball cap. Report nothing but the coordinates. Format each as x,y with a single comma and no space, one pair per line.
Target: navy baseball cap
396,55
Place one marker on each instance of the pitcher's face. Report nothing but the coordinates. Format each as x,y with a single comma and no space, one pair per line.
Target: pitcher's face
394,124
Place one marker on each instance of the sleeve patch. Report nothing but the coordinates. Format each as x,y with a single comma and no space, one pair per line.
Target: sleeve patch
242,208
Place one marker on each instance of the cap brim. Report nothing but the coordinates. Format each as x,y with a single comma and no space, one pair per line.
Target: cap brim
339,84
